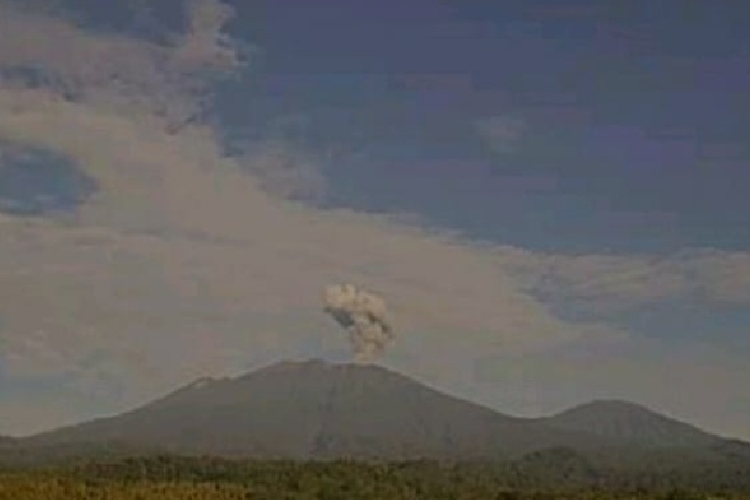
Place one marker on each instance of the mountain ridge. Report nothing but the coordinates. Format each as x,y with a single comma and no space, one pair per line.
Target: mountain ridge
627,421
317,410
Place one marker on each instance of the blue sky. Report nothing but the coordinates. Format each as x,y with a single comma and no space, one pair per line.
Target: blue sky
599,148
634,118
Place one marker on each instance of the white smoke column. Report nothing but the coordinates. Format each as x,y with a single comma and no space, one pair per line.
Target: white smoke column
364,315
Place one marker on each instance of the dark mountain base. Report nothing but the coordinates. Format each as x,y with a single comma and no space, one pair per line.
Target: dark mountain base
298,412
557,473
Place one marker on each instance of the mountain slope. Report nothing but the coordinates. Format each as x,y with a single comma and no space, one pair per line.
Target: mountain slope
312,409
318,410
628,423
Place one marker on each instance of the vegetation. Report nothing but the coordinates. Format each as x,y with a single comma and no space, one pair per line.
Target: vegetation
169,477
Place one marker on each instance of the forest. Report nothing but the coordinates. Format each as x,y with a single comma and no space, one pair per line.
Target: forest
172,477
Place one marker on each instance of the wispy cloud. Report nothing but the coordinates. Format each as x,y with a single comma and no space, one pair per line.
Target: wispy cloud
283,169
116,71
186,261
611,282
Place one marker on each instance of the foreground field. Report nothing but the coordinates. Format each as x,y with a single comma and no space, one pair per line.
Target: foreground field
167,478
57,488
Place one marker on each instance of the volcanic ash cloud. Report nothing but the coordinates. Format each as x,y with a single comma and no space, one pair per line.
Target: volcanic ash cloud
364,316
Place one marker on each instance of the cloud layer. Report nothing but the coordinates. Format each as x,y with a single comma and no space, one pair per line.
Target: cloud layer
184,262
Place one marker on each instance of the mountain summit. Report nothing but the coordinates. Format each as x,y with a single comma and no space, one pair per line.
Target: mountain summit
313,409
631,423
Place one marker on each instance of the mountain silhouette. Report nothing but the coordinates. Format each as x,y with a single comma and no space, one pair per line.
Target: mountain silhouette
316,410
627,422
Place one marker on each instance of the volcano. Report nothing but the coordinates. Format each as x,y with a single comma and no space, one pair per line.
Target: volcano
316,410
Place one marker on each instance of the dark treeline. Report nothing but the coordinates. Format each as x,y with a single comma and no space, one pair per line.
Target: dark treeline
167,477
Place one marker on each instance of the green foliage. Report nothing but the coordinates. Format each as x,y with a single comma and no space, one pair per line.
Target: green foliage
197,478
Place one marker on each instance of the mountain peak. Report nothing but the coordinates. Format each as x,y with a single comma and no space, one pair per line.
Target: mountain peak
315,364
629,422
288,364
367,373
317,409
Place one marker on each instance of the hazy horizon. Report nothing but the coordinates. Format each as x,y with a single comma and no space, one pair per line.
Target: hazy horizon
542,203
203,382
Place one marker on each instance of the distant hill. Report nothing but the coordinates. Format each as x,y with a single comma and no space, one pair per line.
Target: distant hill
629,423
312,409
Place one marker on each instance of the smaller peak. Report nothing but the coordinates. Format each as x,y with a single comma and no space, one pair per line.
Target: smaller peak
619,403
609,405
614,402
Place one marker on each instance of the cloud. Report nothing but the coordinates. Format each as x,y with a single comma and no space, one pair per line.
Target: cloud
185,263
284,170
607,283
719,275
115,71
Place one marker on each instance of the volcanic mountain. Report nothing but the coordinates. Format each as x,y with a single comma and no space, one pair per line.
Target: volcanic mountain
625,422
318,410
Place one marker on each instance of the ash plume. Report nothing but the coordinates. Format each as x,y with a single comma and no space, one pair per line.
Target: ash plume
364,316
